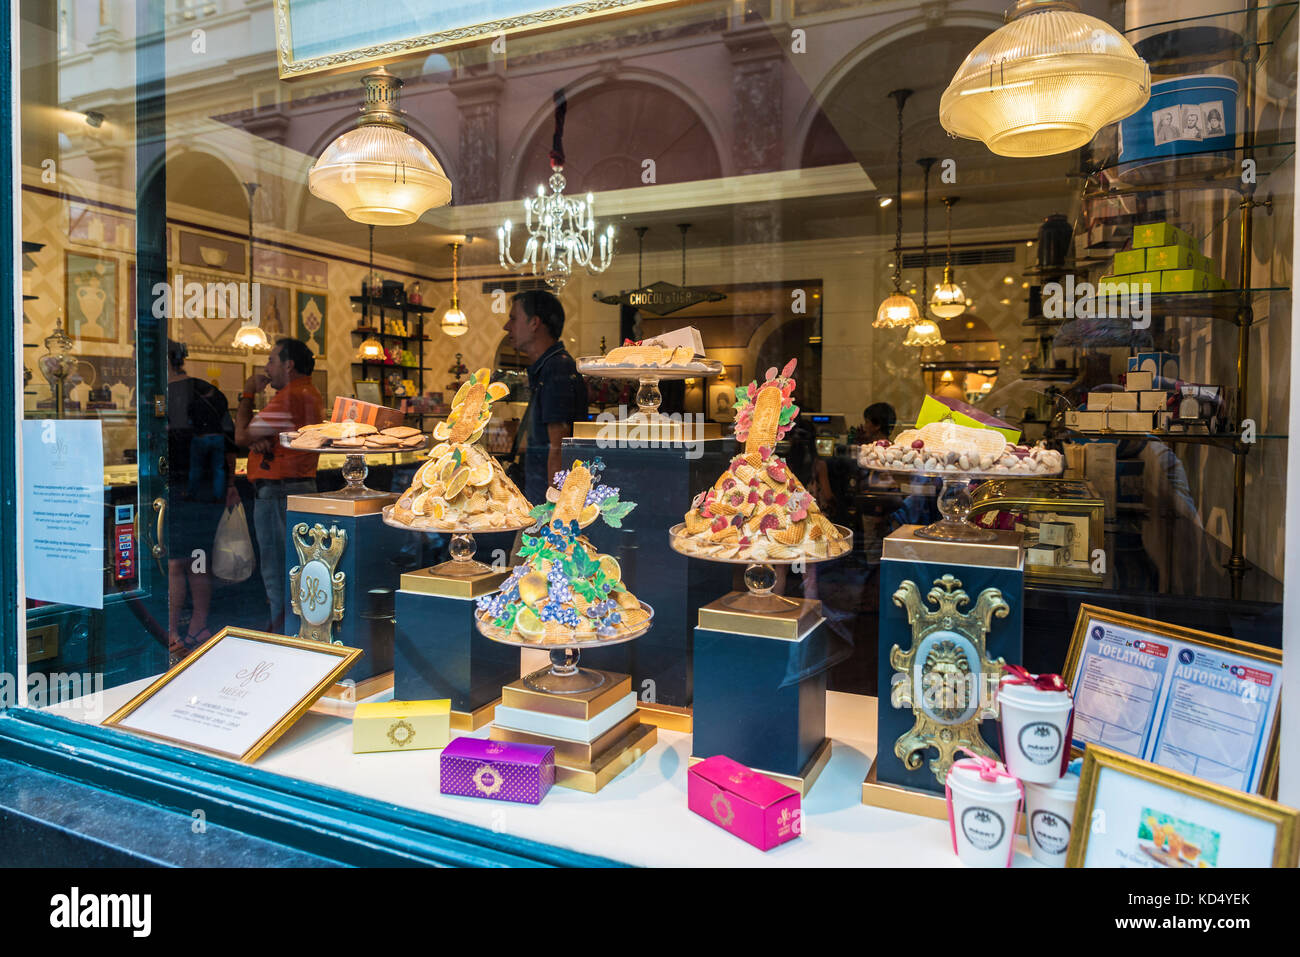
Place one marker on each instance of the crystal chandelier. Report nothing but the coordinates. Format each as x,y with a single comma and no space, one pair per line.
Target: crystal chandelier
454,321
1044,83
897,310
561,230
948,301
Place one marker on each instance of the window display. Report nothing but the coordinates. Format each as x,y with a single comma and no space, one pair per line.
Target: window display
625,561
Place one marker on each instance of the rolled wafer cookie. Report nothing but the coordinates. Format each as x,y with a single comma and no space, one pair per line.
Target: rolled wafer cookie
638,355
574,495
766,419
467,422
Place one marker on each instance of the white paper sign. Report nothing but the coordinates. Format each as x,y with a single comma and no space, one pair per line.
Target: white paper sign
63,511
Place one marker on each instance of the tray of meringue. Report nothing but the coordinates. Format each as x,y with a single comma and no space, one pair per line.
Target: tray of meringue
948,448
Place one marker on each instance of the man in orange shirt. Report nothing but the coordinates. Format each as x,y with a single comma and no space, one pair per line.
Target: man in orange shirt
277,472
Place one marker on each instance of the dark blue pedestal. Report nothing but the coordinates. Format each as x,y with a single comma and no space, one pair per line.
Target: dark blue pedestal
372,563
761,701
978,567
662,480
438,653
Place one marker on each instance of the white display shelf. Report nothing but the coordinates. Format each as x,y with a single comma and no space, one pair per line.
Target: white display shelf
641,817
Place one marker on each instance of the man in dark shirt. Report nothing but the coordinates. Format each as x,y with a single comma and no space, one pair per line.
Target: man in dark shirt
559,393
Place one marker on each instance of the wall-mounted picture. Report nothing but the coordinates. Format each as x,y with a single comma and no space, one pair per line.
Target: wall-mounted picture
368,390
227,375
207,332
275,311
213,252
91,294
310,325
722,395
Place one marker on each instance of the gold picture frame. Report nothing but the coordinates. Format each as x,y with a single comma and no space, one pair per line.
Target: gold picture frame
1166,845
504,18
1092,614
301,696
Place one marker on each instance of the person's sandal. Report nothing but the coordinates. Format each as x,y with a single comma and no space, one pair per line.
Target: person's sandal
193,641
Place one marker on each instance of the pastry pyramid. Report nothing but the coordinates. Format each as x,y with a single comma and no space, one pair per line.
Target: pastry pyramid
565,591
758,510
461,485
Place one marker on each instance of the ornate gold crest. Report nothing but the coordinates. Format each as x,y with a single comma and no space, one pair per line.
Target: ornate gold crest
314,585
722,809
946,677
401,733
488,780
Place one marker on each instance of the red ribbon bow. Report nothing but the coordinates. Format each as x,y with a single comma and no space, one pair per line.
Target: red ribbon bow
1017,675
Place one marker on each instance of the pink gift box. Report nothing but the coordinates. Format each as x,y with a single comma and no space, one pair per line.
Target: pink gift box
497,770
749,805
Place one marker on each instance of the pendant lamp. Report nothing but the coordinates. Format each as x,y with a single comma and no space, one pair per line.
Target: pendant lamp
250,334
898,310
1044,83
454,321
948,301
925,332
378,173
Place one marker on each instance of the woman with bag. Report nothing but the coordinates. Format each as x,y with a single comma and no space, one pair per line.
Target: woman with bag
201,475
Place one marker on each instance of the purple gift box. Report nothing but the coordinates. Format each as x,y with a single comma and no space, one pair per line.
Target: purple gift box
498,770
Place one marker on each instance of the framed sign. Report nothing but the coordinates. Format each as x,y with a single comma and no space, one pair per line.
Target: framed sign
334,36
1188,700
236,694
1132,813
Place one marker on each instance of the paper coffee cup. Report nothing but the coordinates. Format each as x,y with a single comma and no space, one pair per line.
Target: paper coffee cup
1035,724
982,815
1049,815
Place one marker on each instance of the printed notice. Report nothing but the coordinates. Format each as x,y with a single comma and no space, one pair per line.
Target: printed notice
1116,691
63,511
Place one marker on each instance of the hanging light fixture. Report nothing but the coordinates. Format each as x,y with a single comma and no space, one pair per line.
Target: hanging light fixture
561,230
897,310
378,173
948,301
1044,83
250,334
454,321
371,350
925,331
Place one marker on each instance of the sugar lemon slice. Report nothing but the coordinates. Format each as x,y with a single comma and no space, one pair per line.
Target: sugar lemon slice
442,431
420,502
459,397
480,475
439,450
457,481
588,514
529,625
497,391
609,565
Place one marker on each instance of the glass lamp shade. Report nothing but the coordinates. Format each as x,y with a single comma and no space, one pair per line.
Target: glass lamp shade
371,350
896,311
924,334
948,300
380,175
251,336
455,322
1044,83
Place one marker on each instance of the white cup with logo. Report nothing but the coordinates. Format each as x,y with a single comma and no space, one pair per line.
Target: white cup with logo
983,812
1049,815
1035,731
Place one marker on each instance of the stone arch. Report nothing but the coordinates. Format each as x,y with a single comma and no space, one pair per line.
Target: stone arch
697,142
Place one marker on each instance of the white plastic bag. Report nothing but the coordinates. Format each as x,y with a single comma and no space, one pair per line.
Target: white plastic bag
232,551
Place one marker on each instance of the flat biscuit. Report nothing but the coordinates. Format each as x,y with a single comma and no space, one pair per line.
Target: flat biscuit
349,443
312,440
400,432
412,442
383,440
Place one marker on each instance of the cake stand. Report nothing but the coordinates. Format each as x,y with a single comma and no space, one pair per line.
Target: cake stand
564,676
354,467
760,574
954,500
648,395
462,545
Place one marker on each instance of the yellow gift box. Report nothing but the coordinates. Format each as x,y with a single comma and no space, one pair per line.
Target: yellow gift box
401,725
1160,234
1184,280
1171,257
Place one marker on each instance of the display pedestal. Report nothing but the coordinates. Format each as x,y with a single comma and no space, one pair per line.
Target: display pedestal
944,694
760,689
438,653
596,734
662,478
370,576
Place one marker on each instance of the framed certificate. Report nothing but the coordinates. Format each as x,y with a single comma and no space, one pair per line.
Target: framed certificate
237,693
1132,813
1198,703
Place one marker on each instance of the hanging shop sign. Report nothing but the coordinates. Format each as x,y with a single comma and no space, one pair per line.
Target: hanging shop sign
662,298
336,36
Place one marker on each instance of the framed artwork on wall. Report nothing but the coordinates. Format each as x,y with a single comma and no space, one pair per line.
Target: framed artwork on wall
91,297
310,321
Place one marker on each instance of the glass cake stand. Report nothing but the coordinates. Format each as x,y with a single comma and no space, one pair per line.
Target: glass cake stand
648,395
760,574
564,676
354,466
462,545
954,501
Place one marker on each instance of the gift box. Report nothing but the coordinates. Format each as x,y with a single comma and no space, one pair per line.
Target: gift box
1160,364
1184,280
1123,402
401,725
1169,257
1138,381
497,770
751,806
1153,401
354,410
1129,262
936,409
1149,235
